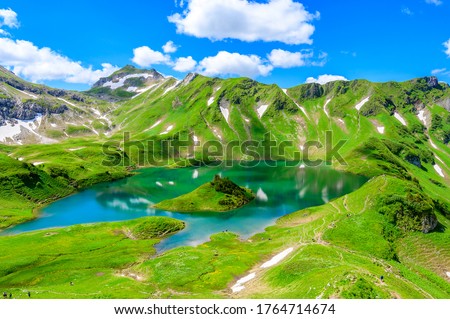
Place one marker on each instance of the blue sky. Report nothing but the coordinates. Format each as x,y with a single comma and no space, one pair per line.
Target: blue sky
70,44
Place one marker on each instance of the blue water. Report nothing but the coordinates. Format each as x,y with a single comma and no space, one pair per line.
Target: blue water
280,190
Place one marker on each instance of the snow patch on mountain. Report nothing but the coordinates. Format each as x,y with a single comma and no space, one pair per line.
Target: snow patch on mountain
142,91
440,160
325,107
217,134
438,169
433,145
295,102
172,87
155,124
168,129
211,100
121,81
400,118
196,140
75,149
225,113
262,109
239,285
12,130
422,117
361,104
278,258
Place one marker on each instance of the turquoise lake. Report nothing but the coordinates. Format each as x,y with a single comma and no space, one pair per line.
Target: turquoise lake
281,189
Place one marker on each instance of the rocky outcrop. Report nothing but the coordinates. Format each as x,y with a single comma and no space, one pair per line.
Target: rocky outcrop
414,159
432,81
11,109
77,97
445,103
429,223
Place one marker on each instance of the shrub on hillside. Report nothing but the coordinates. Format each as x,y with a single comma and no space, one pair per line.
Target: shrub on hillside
414,212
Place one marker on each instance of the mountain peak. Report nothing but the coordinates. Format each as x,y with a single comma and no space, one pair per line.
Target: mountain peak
125,83
129,76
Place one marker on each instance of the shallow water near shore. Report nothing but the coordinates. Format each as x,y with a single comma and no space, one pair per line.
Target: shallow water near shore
281,189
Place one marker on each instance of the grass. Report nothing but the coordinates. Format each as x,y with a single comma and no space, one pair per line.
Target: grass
324,263
94,258
341,249
67,167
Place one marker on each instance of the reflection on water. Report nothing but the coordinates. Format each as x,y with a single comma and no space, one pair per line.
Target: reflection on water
280,190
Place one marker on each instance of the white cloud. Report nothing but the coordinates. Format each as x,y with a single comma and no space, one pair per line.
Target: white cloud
407,11
441,72
286,59
169,47
39,64
185,64
144,57
8,18
353,54
89,76
229,64
325,78
438,71
435,2
277,20
447,47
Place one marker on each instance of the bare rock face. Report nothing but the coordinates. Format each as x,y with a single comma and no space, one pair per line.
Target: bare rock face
432,81
445,104
415,160
429,223
11,109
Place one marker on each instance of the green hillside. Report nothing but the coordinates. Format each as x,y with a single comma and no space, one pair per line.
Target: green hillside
395,226
220,195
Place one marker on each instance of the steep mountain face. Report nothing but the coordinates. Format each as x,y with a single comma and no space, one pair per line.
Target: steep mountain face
32,113
242,109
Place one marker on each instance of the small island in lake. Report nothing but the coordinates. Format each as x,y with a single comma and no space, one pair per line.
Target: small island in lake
220,195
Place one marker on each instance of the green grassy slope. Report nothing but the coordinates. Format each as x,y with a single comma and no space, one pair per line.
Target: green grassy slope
339,249
34,175
94,258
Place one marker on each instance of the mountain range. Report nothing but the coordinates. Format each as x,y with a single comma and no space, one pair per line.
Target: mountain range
397,134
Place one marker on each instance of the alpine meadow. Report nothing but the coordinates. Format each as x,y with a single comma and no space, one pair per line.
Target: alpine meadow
215,183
